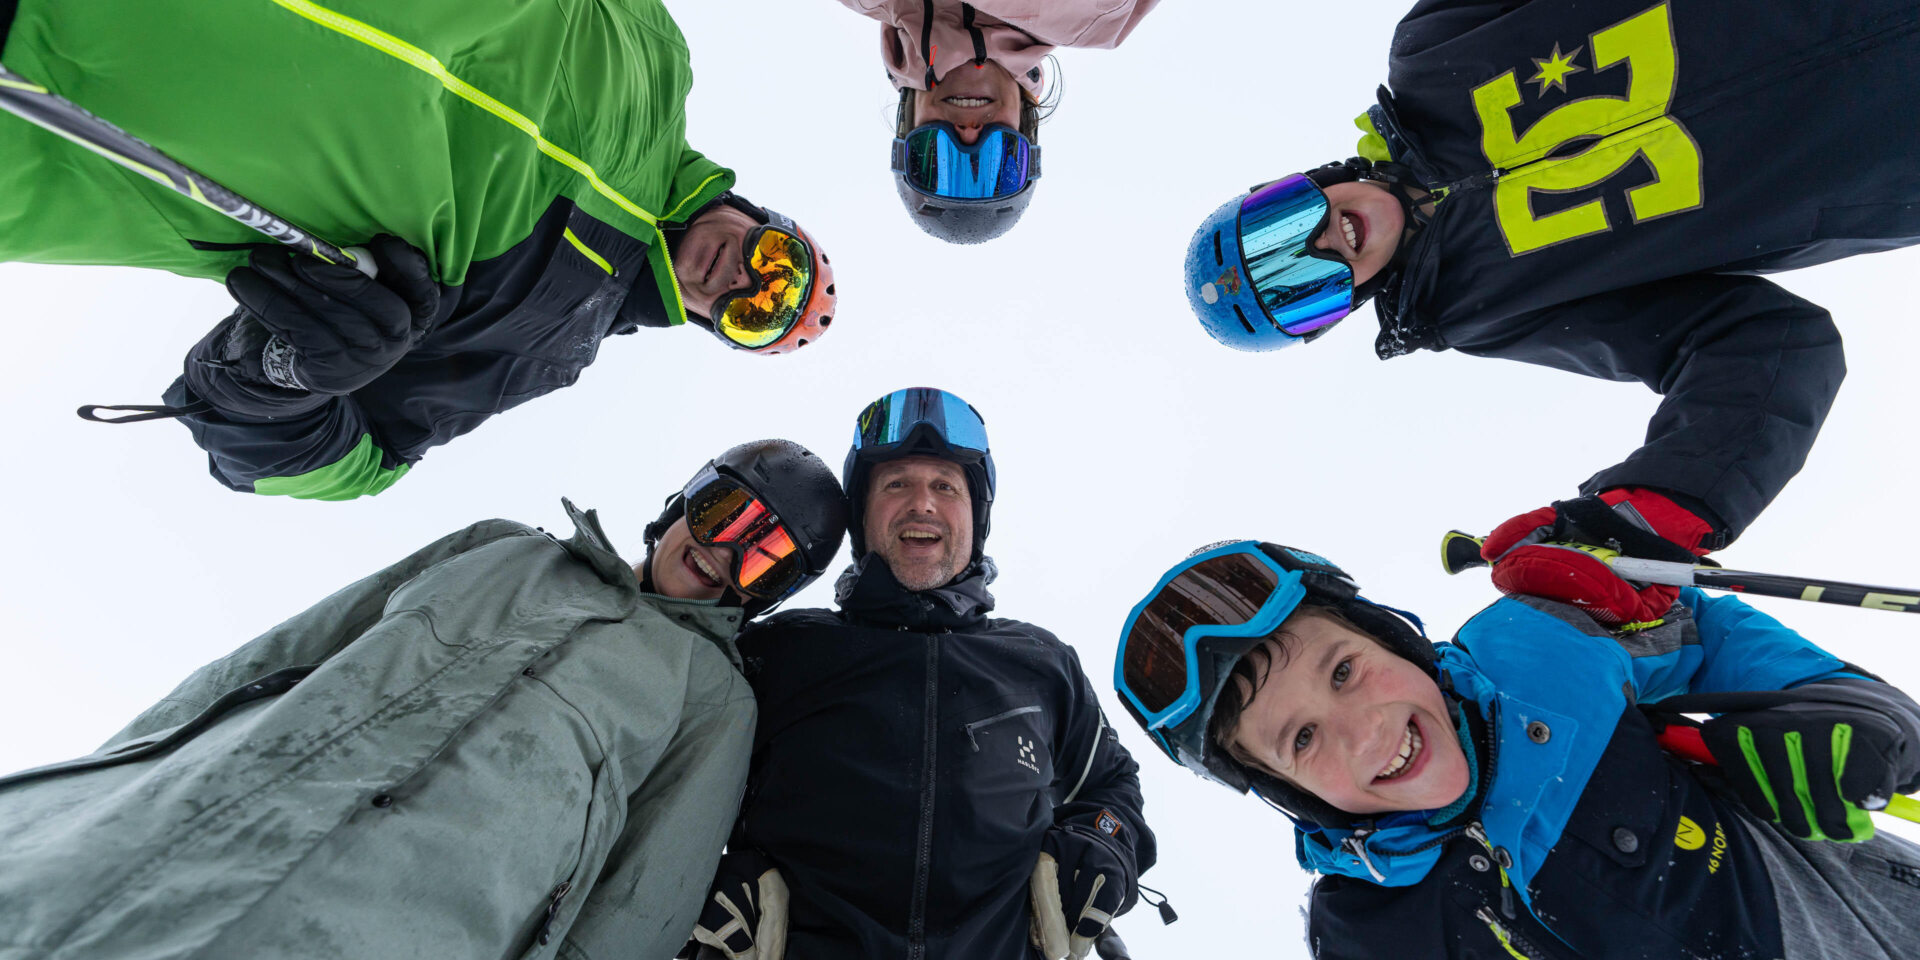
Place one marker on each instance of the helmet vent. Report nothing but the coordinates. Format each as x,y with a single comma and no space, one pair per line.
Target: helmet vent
802,344
1243,318
1218,260
827,321
829,289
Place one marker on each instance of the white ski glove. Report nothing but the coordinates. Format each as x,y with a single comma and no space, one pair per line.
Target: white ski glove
1069,916
746,913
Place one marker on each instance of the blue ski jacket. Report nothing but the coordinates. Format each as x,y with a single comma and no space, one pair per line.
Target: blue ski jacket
1586,838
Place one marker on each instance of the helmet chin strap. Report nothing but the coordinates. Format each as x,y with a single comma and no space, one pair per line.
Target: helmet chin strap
1399,182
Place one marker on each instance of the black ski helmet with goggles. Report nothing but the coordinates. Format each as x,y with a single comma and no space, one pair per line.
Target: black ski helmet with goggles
1180,644
743,501
925,422
965,193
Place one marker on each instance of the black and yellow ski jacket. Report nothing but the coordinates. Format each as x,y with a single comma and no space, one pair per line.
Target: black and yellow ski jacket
1614,172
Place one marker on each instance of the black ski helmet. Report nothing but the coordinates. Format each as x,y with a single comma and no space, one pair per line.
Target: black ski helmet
1188,739
926,422
803,493
967,221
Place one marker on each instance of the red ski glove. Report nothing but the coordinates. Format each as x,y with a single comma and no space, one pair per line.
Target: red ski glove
1633,520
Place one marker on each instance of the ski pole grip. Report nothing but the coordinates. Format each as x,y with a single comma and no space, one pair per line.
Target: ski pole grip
363,261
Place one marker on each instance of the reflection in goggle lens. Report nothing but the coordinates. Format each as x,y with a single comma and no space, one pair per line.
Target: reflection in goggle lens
728,515
783,268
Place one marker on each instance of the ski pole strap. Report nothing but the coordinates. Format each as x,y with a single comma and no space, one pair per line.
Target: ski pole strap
142,412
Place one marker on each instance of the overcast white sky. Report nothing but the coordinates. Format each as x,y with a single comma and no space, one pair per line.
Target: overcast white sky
1124,436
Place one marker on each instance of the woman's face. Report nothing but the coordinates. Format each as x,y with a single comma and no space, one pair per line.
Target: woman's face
1363,227
970,98
688,570
1344,719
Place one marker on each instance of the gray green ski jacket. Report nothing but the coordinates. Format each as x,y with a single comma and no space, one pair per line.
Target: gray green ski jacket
497,747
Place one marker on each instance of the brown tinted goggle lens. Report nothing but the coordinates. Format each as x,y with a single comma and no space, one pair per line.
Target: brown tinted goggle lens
1221,591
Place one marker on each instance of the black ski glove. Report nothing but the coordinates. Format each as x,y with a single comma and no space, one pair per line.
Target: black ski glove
746,913
1078,886
1815,768
321,328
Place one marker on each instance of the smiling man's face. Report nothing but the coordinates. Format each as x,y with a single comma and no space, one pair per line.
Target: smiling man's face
712,258
1364,227
970,98
919,519
688,570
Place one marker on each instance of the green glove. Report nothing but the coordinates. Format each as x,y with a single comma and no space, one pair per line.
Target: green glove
1813,768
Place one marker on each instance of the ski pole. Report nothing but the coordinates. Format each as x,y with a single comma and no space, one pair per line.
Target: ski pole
1461,551
50,111
1684,741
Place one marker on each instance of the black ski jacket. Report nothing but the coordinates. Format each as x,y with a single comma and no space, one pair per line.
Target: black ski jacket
524,324
1614,168
911,753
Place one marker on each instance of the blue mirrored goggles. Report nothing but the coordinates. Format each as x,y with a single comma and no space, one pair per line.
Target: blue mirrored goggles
1301,289
935,162
1178,645
894,418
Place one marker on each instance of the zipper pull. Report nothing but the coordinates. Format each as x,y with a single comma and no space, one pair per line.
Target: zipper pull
1166,909
1506,897
553,910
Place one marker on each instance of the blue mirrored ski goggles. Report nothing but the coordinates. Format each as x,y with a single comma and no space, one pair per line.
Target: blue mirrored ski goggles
894,419
1300,288
1180,643
935,162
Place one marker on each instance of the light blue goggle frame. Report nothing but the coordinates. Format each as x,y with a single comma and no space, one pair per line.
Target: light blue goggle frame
1287,593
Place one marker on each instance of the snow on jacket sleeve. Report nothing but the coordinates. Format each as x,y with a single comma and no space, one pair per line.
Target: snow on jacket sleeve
1746,372
311,636
327,453
1102,785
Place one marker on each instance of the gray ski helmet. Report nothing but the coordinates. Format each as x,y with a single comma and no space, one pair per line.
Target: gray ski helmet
966,221
920,421
799,487
960,221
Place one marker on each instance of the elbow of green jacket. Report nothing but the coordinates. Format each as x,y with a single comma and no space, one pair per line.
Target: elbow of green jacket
358,474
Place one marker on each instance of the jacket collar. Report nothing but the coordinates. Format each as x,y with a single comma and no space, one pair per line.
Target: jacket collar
589,545
868,593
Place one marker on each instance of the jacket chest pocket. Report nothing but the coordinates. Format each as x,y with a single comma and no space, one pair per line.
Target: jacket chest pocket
1005,753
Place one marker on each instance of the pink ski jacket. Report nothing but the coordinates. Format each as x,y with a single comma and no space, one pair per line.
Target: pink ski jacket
921,40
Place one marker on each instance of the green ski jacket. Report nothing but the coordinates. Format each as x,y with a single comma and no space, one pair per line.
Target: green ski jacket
534,151
497,747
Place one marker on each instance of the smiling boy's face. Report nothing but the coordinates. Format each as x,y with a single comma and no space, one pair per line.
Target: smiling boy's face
1339,716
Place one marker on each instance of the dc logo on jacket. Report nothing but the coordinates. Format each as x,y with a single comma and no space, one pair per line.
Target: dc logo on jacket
1537,146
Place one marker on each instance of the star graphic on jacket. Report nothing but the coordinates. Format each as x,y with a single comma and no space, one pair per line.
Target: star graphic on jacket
1555,69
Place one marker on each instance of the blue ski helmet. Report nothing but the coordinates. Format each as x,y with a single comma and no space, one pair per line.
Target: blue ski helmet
1179,645
1253,275
927,422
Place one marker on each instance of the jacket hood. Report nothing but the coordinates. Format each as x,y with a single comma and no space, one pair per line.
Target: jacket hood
868,593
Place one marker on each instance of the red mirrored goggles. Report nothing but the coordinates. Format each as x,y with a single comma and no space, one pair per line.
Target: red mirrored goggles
722,512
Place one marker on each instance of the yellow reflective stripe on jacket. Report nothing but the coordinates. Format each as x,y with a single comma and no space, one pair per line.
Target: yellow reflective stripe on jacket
586,251
429,64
